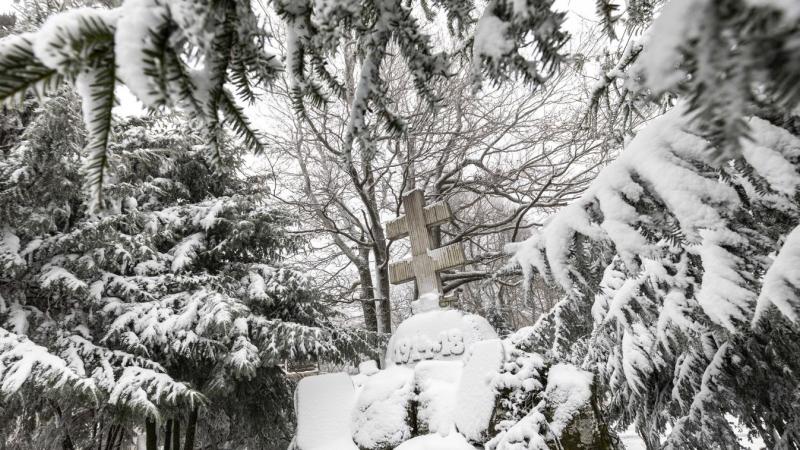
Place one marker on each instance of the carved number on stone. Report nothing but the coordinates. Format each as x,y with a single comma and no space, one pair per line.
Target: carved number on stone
412,350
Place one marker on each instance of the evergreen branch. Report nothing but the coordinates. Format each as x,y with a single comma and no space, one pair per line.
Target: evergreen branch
251,66
459,15
606,9
240,79
214,144
212,85
234,116
22,361
222,47
177,75
320,69
21,72
96,87
69,49
415,46
140,52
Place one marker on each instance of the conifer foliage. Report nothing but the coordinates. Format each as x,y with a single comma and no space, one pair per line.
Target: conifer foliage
679,263
172,299
665,261
154,49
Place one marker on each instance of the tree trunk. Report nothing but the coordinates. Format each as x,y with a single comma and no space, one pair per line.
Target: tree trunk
95,429
151,433
380,250
112,435
367,295
168,435
190,429
120,438
361,261
67,443
176,434
384,306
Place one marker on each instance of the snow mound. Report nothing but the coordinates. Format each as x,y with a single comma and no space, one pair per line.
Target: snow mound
441,335
380,418
452,441
475,396
436,384
568,389
324,404
368,368
525,434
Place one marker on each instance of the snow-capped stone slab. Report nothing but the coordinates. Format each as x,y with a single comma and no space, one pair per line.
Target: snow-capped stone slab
436,383
440,335
452,441
475,397
324,405
380,418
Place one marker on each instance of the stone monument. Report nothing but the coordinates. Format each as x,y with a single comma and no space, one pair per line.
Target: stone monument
435,330
434,389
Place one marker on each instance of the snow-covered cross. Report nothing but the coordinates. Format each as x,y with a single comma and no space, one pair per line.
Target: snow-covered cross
426,262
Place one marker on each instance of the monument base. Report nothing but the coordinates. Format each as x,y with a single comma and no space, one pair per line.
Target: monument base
442,334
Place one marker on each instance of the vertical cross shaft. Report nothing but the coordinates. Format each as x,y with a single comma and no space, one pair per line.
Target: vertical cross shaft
428,281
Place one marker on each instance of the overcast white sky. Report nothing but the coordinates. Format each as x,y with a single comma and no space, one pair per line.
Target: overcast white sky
6,6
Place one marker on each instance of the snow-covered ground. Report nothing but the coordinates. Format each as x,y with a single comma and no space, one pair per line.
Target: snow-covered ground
632,441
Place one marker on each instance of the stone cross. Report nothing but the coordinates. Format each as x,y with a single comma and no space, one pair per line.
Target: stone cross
426,262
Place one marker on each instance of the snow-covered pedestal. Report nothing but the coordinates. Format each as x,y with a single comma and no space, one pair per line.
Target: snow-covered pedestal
443,334
446,385
438,363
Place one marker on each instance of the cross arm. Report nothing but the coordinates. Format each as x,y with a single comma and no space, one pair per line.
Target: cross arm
442,258
401,272
435,214
448,257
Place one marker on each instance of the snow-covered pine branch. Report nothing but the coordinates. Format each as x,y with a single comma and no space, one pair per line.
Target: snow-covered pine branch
726,58
149,47
22,361
691,244
186,54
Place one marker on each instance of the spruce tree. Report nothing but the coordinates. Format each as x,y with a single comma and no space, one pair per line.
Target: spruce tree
171,300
